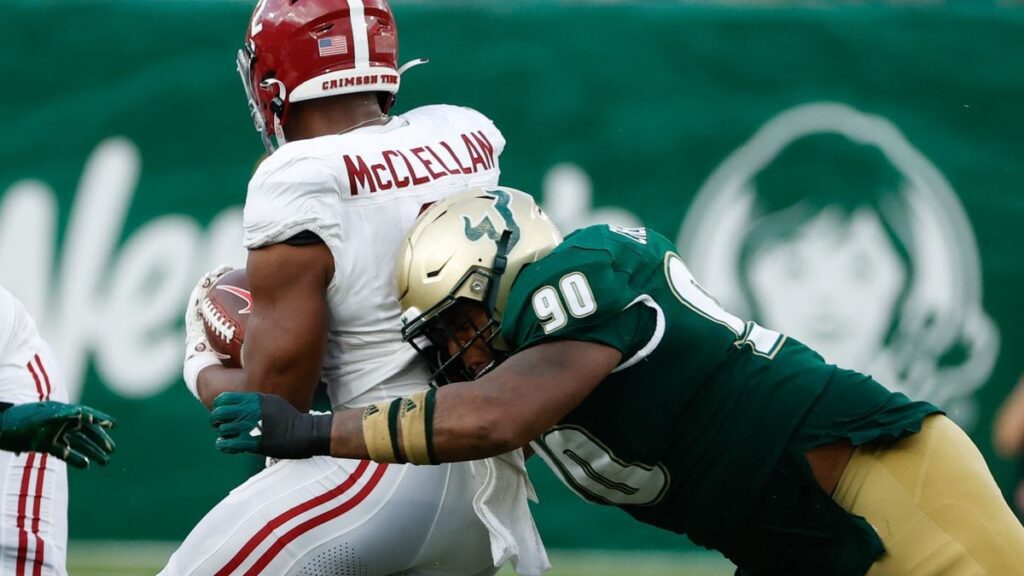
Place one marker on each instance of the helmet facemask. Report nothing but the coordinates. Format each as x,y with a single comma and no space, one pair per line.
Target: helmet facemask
246,59
434,338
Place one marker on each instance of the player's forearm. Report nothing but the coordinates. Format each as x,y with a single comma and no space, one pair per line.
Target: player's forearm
347,435
214,380
510,406
450,444
499,412
466,423
472,423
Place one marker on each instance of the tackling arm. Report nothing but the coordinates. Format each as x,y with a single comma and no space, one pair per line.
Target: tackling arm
286,333
505,409
524,396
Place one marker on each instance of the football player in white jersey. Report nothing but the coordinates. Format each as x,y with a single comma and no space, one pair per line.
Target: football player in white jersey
36,423
324,218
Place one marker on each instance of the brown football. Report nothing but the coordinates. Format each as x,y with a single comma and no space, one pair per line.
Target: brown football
225,312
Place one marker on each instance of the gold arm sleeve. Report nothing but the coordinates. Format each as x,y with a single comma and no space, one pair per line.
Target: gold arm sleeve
417,420
378,433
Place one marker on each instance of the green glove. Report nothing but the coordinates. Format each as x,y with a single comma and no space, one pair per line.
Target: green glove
267,424
71,432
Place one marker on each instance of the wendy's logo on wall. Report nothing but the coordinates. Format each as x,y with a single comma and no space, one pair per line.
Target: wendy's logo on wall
829,226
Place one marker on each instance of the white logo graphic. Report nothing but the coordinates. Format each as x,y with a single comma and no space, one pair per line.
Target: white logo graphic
119,302
830,226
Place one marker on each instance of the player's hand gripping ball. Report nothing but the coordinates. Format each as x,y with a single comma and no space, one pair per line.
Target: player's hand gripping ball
225,312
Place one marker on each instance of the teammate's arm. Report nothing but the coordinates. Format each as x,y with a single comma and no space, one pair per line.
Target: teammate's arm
286,332
503,410
74,433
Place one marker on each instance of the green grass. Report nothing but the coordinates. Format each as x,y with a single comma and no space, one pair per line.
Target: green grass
87,558
634,563
147,558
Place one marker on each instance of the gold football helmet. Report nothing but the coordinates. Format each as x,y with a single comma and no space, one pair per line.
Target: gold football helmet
469,246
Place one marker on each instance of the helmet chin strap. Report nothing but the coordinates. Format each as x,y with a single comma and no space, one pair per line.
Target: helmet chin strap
278,133
277,108
497,269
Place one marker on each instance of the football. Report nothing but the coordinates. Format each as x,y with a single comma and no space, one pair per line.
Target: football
225,312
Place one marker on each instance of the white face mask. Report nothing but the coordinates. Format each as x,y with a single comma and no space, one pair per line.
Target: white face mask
244,65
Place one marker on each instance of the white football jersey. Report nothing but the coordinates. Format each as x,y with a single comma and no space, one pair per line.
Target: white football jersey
27,371
360,192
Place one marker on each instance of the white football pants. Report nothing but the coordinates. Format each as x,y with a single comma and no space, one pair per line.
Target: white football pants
34,507
336,517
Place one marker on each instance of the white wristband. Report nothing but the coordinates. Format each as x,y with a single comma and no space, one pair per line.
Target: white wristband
194,365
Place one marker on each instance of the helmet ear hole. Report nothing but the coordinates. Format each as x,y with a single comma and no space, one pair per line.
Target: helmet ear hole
386,101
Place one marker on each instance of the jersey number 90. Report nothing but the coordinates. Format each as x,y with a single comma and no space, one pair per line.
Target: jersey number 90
578,298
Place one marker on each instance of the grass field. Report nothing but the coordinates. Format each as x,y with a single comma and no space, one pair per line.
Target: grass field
146,559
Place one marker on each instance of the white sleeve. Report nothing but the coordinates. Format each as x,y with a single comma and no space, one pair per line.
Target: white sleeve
290,194
6,325
8,318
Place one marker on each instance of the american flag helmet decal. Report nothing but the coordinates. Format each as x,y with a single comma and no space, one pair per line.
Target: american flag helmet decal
332,45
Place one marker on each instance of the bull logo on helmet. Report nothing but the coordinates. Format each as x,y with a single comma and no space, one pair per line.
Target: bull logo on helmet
502,201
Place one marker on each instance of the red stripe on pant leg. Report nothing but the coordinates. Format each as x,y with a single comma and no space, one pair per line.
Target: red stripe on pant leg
308,525
260,536
37,564
26,476
35,376
46,377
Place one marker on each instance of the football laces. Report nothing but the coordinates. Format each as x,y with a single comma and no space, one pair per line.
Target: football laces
221,325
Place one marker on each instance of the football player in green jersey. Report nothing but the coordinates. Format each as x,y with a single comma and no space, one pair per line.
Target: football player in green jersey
606,356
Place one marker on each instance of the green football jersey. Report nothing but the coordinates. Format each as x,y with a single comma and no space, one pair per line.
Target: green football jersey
687,429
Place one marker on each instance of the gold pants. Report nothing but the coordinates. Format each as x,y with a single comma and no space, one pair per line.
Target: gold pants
933,502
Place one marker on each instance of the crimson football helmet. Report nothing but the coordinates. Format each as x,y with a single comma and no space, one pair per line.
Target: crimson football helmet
299,50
